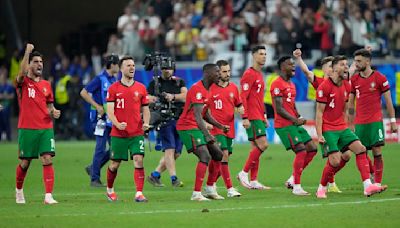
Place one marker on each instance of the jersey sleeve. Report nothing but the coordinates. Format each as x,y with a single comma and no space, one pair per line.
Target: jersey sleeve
145,97
383,83
93,85
276,89
111,94
238,101
197,97
352,84
317,81
245,83
50,97
322,94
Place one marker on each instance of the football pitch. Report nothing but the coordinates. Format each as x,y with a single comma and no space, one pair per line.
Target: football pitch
83,206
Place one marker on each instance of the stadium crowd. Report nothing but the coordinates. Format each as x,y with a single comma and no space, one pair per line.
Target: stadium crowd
193,30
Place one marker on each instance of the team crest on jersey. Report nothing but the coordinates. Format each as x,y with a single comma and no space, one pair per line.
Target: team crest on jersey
245,86
372,86
45,91
320,93
198,96
136,93
276,91
231,95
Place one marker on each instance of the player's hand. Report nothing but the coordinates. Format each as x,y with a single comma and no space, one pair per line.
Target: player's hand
246,123
297,53
121,126
169,97
225,128
56,113
300,121
145,127
240,110
321,139
153,99
100,110
29,48
393,127
210,139
209,126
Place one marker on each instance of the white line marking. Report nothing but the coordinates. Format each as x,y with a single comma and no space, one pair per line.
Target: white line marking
210,209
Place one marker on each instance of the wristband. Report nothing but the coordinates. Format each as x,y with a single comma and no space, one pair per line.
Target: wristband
393,120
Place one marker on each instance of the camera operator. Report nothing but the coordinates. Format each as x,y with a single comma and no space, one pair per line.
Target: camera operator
171,93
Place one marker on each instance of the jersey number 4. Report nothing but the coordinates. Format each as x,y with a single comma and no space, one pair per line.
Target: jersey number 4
332,103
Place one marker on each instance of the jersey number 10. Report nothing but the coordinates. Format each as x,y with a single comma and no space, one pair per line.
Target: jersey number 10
218,104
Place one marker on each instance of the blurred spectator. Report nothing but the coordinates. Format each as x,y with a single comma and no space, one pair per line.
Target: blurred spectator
148,36
114,45
288,37
323,26
343,37
310,4
371,39
56,62
171,38
394,37
152,19
127,26
163,8
73,127
358,28
14,65
384,28
307,37
95,58
269,39
6,97
187,40
85,70
62,98
240,31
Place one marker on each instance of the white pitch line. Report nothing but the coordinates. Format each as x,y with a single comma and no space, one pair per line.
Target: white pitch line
212,209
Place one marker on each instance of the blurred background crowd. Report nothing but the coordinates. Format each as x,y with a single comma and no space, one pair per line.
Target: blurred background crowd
197,30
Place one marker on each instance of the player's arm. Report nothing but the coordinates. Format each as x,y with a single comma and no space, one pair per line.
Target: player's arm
110,113
150,91
88,98
318,121
303,66
198,109
390,110
146,117
24,67
282,112
55,113
181,96
351,110
246,83
210,119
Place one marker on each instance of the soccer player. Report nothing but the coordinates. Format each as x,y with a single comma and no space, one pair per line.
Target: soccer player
126,99
95,93
35,124
315,81
332,130
222,100
367,87
288,122
254,118
192,128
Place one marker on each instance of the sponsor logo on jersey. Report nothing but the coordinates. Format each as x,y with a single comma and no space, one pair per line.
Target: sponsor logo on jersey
118,94
332,95
215,96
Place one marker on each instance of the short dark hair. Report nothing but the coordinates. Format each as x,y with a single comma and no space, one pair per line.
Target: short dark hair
326,60
34,54
338,58
123,59
208,66
256,48
222,63
111,59
283,59
363,52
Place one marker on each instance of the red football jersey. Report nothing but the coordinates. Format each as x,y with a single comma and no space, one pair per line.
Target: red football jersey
33,98
197,94
335,98
317,81
222,102
252,94
368,92
286,90
127,104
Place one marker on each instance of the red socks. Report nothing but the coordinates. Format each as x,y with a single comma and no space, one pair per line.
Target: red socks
254,156
211,170
362,165
226,175
298,165
328,172
378,165
341,165
213,173
254,169
200,173
20,177
138,177
48,177
371,165
111,177
309,157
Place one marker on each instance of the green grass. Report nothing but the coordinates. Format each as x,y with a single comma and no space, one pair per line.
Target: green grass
83,206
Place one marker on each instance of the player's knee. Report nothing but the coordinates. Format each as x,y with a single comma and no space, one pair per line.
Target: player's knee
225,157
205,157
299,147
346,156
334,160
25,163
138,161
46,160
113,166
310,146
376,151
